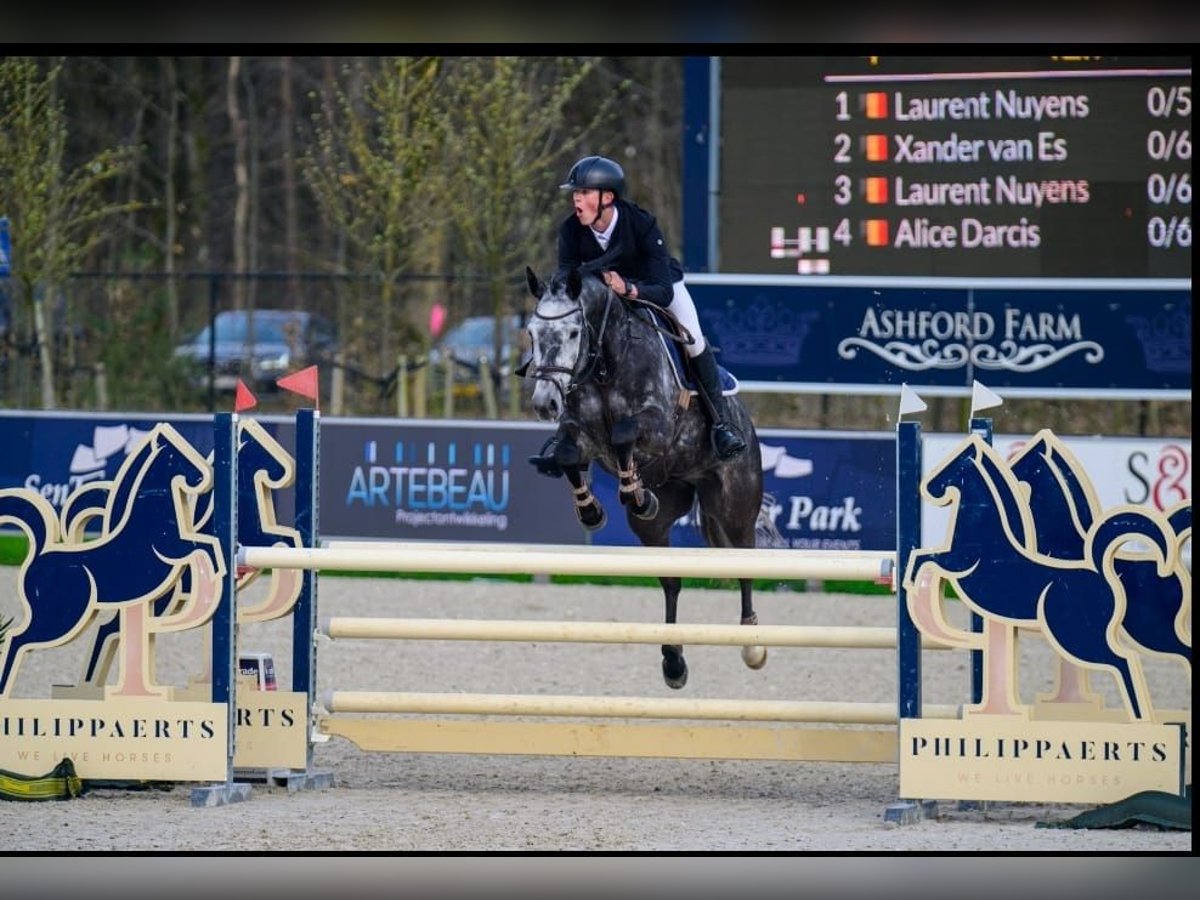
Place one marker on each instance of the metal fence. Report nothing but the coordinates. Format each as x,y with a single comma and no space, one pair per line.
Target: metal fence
114,344
115,337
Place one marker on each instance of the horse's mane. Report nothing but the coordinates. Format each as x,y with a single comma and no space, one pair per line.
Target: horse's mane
590,281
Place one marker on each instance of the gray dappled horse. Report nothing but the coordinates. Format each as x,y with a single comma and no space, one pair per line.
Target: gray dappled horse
604,374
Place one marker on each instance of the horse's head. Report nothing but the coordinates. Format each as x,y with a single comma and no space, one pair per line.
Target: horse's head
262,457
945,481
177,461
563,337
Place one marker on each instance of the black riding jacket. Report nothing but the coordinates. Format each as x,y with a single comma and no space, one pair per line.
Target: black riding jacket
637,251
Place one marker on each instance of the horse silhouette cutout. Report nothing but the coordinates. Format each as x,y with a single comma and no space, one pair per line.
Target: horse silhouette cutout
993,563
1065,506
264,466
603,372
150,540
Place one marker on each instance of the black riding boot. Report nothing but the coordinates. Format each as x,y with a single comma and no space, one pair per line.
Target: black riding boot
727,442
544,461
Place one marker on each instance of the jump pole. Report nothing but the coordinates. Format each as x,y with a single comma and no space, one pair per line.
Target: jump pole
420,703
557,738
648,561
526,631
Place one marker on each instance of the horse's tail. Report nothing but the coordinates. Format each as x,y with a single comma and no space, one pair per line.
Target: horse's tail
766,534
33,514
1123,524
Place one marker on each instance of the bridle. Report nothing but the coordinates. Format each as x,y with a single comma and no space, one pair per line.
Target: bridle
586,364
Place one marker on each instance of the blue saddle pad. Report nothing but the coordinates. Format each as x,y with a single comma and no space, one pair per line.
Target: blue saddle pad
683,375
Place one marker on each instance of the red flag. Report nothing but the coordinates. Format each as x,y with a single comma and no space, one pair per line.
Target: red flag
243,399
303,382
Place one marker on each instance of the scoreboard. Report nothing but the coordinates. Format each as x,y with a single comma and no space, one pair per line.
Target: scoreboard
1040,166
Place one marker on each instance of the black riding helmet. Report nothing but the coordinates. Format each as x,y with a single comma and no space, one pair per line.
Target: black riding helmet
595,173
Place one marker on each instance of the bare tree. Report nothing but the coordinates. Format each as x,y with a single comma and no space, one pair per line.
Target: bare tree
170,204
241,173
57,215
287,129
510,132
371,169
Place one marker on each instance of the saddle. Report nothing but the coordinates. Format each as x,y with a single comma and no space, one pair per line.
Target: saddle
664,321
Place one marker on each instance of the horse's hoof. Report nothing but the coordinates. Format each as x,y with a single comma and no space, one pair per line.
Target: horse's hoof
674,668
754,657
592,517
675,682
649,509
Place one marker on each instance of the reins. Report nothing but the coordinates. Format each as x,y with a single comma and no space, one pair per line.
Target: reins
677,333
579,374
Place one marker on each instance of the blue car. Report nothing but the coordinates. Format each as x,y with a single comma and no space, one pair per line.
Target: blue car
258,350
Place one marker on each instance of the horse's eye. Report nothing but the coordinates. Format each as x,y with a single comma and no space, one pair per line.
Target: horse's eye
573,333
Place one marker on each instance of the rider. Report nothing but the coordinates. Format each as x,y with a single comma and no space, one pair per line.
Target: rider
624,244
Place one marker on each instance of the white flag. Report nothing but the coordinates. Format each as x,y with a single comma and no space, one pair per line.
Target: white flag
982,398
910,402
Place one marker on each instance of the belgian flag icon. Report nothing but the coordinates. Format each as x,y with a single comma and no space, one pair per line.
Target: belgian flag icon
876,105
876,147
875,190
877,232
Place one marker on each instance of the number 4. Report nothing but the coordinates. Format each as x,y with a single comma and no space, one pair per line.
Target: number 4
841,234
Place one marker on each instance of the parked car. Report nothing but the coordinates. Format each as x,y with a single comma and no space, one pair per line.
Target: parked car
283,341
474,338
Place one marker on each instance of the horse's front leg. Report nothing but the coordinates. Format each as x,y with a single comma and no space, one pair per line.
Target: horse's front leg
917,560
588,510
641,501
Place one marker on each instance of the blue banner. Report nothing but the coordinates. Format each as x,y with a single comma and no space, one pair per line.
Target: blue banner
829,491
387,479
55,454
457,481
882,333
441,481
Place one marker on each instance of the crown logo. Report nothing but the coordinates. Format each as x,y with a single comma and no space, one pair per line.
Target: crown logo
762,332
1166,340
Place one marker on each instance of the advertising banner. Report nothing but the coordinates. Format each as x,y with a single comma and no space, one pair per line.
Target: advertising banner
864,334
827,491
452,481
55,454
380,478
469,481
1154,472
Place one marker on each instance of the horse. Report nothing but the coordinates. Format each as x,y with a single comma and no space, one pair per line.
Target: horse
1064,507
991,560
603,371
264,466
149,540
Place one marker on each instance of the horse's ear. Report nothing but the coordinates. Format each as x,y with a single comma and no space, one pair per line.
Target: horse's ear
535,285
574,284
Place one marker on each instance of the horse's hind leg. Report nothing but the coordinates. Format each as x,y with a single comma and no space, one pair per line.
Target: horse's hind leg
95,670
754,656
70,614
676,499
674,666
738,530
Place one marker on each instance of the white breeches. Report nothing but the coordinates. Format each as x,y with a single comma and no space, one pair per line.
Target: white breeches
684,309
